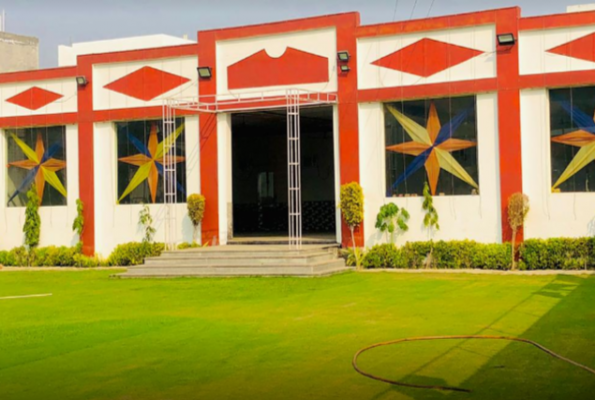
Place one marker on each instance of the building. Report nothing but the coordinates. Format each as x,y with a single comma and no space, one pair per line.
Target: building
19,53
480,105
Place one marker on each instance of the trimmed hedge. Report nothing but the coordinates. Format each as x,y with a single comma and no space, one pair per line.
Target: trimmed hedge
558,253
134,253
444,255
50,256
534,254
124,255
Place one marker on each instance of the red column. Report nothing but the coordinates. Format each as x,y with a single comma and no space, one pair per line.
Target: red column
509,117
85,154
348,117
209,180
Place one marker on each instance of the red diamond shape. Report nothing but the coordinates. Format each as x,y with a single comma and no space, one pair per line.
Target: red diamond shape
146,83
34,98
582,48
427,57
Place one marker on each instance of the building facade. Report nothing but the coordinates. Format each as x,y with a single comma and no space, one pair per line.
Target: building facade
479,105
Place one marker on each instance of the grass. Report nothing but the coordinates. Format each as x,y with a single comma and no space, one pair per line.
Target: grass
101,338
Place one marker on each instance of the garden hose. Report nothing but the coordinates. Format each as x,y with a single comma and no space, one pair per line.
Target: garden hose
452,388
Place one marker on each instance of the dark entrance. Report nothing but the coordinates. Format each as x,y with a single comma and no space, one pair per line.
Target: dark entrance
259,168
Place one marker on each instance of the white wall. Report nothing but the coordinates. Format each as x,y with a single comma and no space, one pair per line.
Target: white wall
480,38
551,214
66,104
56,221
104,74
116,224
322,42
535,59
67,54
225,179
461,217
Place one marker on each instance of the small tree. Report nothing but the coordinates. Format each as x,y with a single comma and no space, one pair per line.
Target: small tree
146,220
391,218
430,219
196,211
352,208
78,224
32,225
518,208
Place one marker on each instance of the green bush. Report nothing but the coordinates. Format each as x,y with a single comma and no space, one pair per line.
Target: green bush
384,256
50,256
134,253
558,253
186,245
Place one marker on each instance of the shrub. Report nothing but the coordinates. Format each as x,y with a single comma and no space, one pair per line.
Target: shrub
558,253
384,256
146,221
391,218
185,245
32,226
50,256
134,253
518,208
352,209
196,211
79,222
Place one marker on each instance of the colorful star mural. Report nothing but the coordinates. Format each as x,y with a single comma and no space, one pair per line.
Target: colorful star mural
432,146
41,165
150,161
584,138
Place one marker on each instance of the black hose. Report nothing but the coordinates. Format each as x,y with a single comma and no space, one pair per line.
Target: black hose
452,388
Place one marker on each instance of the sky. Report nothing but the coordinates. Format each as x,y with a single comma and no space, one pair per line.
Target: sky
58,22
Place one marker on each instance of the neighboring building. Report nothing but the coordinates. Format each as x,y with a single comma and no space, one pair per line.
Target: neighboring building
480,105
18,53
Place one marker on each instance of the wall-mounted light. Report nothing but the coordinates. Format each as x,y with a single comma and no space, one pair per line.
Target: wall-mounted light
81,81
205,72
343,56
506,39
345,68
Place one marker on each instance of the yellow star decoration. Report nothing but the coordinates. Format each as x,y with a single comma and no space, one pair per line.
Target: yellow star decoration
148,169
45,169
579,138
424,139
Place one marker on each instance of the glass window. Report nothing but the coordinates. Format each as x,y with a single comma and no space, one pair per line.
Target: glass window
140,161
433,141
36,156
572,131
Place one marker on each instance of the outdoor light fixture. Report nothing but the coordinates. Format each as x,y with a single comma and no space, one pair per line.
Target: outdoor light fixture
506,39
205,72
345,68
81,80
343,56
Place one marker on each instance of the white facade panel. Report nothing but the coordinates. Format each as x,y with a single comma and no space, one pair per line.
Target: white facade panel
116,224
56,221
481,38
461,217
66,87
534,57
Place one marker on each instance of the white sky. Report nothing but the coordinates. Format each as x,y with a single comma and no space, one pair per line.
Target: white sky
57,22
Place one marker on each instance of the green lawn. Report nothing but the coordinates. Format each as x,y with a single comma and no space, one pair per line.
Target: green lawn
285,338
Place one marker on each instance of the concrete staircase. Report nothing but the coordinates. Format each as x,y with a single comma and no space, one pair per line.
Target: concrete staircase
242,260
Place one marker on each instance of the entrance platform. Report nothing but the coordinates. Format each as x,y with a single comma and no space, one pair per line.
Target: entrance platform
243,260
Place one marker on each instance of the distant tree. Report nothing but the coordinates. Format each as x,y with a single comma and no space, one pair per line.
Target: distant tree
518,208
352,208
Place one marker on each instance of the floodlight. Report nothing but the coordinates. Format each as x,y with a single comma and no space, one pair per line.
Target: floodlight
81,81
343,56
205,72
506,39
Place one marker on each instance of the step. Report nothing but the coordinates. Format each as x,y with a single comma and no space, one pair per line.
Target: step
239,260
249,251
317,269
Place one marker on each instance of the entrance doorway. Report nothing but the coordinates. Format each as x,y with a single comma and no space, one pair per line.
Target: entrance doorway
259,173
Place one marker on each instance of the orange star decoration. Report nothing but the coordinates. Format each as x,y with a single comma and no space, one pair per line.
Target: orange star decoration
579,138
151,163
432,146
41,165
